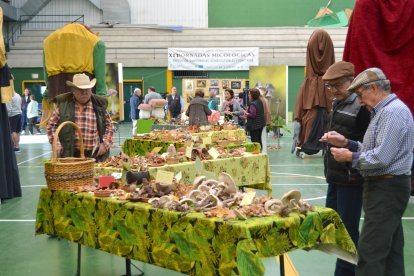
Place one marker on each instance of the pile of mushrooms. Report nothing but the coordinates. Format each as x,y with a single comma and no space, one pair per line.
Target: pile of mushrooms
221,198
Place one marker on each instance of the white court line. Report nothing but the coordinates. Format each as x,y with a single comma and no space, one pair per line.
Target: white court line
34,158
290,184
17,220
296,174
31,186
314,198
297,165
31,167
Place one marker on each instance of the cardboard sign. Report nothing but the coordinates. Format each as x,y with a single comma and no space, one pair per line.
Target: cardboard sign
178,176
214,153
156,149
104,181
198,165
248,198
164,177
207,140
189,151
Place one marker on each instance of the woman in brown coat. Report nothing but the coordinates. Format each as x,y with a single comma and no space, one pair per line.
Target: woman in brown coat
198,110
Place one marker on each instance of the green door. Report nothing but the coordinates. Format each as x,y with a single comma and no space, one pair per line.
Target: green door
129,87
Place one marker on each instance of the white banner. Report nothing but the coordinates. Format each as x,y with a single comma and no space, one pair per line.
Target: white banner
211,59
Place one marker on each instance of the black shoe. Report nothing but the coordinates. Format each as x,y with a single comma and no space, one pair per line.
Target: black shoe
17,149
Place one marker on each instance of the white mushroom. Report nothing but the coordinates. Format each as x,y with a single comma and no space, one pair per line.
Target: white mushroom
287,198
195,195
198,180
228,180
187,201
273,206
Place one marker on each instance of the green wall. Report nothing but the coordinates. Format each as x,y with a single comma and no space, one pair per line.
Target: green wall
295,80
21,74
268,13
151,76
157,76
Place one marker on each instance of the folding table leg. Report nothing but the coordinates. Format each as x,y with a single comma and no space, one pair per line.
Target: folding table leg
79,260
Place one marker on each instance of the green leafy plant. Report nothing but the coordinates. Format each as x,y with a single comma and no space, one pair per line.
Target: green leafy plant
278,121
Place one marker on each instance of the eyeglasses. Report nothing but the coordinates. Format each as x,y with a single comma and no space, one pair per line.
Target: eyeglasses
337,86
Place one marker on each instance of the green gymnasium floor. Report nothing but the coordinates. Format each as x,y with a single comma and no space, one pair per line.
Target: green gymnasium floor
23,253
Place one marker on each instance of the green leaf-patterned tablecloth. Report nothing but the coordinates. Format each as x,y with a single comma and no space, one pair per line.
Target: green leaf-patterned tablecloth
251,171
138,146
188,243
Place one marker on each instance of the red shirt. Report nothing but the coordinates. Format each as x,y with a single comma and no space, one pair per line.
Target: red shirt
85,119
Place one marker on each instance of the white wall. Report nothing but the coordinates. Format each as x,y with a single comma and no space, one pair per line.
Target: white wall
64,7
187,13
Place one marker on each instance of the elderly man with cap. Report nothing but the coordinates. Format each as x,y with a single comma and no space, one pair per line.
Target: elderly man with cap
86,110
350,119
384,159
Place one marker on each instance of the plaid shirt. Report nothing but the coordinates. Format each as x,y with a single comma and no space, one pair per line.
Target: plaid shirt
388,143
85,119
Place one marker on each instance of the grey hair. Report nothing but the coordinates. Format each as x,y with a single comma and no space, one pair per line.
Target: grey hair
137,90
384,85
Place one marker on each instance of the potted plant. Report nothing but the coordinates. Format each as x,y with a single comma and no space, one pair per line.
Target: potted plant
277,123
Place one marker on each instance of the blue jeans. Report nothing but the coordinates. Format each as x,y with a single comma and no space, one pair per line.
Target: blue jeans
24,120
347,202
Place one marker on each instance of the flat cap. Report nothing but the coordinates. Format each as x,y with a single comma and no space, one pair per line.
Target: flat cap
369,75
338,70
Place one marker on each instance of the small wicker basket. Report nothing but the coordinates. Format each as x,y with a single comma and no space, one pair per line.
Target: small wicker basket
71,172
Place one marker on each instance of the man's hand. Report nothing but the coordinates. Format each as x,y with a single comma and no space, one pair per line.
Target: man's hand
342,154
334,138
102,150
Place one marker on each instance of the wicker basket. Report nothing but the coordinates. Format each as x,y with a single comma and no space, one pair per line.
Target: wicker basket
68,173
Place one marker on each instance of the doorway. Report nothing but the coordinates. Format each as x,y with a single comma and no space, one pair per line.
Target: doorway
128,88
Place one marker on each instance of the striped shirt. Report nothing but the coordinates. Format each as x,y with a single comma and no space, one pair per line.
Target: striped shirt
85,119
387,148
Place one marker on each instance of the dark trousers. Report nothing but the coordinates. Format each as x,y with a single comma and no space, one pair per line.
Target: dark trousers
174,114
32,123
24,120
347,202
256,136
381,244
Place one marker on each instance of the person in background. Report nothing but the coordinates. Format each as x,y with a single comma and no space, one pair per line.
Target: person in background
350,119
212,101
14,113
240,98
25,103
255,116
135,101
198,110
384,160
231,107
175,104
151,95
89,112
32,114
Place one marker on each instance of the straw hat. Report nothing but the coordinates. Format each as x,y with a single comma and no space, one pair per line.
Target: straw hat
81,81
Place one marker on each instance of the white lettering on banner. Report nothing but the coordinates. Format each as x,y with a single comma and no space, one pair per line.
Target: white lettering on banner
212,58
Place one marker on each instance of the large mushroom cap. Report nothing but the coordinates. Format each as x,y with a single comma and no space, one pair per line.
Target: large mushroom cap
198,180
228,180
293,194
273,206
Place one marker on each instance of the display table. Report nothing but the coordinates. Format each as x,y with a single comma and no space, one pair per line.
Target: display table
251,171
138,146
189,243
164,127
